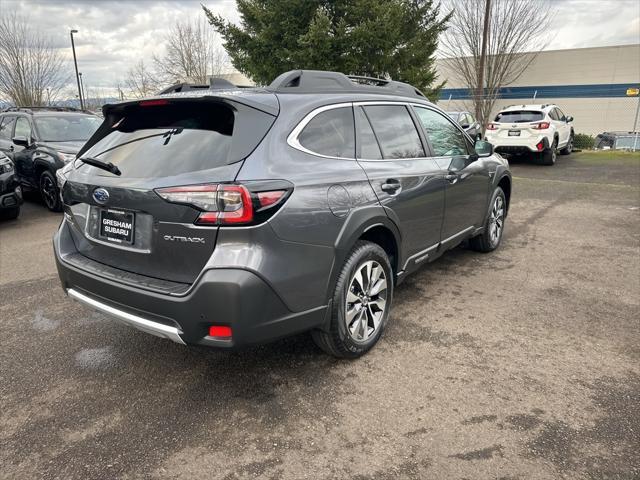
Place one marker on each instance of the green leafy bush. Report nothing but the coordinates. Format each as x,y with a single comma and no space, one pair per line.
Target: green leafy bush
582,141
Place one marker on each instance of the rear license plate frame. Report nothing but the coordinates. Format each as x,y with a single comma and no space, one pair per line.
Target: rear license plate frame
120,228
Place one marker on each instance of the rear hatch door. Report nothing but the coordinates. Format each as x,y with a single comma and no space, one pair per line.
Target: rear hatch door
119,220
518,124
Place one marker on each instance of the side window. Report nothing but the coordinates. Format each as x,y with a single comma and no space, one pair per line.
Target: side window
446,140
23,128
560,114
330,133
471,119
553,114
367,145
395,131
6,128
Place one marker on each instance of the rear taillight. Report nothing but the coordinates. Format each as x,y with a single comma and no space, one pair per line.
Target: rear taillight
223,204
492,126
540,126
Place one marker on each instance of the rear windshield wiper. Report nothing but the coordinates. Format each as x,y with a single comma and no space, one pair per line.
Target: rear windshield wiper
108,166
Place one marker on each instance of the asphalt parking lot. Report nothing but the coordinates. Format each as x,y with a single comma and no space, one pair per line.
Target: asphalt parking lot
520,364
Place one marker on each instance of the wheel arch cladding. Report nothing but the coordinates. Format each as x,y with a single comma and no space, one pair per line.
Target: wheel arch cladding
371,224
505,184
384,237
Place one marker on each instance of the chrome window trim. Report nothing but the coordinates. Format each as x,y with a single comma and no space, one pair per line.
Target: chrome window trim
294,141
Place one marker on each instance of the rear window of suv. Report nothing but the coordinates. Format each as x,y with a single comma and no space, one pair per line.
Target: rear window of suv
519,116
171,139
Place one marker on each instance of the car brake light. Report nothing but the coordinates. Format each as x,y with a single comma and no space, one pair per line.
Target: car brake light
153,103
222,204
540,126
492,126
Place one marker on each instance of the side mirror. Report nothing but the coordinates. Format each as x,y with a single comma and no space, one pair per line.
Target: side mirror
21,141
569,119
484,149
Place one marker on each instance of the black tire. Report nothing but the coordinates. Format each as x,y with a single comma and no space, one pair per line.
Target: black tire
548,157
49,191
10,214
569,147
487,241
340,341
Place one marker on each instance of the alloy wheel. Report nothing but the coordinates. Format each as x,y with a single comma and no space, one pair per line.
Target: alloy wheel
366,301
48,190
496,220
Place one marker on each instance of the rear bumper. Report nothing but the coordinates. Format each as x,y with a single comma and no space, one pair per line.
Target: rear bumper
517,145
231,297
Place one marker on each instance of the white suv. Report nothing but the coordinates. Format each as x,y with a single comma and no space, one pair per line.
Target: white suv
539,129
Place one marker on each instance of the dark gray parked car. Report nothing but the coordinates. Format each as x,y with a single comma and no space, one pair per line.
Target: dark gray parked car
226,217
468,123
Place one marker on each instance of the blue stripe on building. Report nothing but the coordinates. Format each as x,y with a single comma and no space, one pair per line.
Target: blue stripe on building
602,90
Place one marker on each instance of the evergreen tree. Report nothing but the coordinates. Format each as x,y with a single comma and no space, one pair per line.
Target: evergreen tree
392,38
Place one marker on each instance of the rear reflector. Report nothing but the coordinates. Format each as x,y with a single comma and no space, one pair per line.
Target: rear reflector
220,331
540,146
492,126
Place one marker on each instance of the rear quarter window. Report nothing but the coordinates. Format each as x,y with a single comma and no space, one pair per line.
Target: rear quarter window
330,133
519,116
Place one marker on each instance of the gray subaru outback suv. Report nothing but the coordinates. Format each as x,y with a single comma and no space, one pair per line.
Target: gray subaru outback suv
227,217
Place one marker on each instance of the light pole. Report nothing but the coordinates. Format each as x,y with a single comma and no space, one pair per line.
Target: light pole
84,93
75,62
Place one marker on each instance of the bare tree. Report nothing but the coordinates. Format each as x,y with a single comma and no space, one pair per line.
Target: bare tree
517,32
32,71
141,81
192,54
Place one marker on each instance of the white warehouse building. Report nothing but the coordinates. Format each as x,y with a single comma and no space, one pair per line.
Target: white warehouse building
589,84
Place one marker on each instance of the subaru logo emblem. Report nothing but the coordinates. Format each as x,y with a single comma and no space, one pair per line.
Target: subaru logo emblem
100,195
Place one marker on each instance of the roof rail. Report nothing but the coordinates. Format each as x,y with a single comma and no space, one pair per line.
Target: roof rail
319,81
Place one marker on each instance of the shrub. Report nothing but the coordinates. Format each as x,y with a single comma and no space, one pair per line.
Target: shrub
582,141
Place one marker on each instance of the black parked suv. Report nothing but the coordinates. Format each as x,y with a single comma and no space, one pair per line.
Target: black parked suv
468,123
10,191
226,217
40,140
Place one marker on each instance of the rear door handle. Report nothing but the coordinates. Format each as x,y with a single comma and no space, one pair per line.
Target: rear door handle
452,177
391,186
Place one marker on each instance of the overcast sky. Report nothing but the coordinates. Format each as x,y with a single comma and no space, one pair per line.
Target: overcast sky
115,34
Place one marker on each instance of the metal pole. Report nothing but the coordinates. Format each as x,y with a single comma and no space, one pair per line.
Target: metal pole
635,125
84,93
75,62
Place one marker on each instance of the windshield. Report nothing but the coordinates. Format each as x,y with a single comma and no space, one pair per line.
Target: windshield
67,128
519,116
